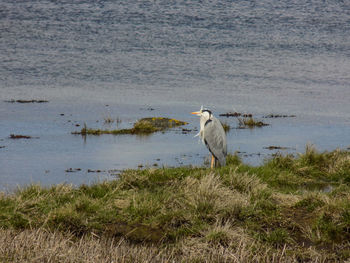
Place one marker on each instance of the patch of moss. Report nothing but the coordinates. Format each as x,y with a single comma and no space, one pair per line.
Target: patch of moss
142,126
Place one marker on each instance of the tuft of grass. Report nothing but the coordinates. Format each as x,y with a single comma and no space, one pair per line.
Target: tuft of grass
278,237
250,122
108,120
277,212
142,126
226,127
233,160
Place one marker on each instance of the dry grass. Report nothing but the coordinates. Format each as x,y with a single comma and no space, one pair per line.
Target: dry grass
40,245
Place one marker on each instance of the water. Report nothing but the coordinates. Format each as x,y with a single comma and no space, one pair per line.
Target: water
261,57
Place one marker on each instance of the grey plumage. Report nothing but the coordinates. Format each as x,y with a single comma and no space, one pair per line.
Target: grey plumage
213,135
215,140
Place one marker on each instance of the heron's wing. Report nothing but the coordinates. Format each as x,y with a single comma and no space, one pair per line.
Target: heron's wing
215,139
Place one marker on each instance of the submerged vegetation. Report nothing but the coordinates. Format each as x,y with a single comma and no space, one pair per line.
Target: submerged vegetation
142,126
290,209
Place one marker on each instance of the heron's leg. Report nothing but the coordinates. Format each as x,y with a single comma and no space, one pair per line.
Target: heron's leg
212,161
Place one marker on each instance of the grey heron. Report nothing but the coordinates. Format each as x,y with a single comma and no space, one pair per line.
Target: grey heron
213,136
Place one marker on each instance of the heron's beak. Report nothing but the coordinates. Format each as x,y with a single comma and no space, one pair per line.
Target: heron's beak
196,112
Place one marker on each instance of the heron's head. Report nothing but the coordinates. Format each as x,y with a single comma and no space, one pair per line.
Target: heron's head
203,113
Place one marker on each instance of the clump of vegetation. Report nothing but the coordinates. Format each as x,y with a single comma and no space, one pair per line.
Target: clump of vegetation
110,120
142,126
249,122
226,126
273,147
18,136
279,116
276,212
236,114
26,101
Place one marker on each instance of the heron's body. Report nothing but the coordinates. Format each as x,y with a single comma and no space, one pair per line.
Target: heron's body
213,136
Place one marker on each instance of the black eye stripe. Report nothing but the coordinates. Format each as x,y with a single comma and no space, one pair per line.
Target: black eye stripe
207,111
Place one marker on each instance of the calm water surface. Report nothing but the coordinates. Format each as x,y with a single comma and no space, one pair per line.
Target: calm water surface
97,59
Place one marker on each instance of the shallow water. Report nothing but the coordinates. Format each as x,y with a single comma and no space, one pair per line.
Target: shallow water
281,57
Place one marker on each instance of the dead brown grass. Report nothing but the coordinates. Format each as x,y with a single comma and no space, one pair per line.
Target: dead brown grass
41,245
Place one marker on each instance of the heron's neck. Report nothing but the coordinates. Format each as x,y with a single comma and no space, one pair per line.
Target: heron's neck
202,122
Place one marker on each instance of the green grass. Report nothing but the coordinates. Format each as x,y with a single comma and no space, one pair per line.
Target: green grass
249,122
279,208
141,127
226,127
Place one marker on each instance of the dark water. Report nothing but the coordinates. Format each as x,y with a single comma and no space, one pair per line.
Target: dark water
261,57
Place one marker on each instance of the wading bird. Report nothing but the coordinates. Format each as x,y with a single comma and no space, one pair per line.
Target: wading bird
213,136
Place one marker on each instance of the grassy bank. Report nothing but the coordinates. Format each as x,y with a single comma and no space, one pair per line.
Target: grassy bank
291,209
